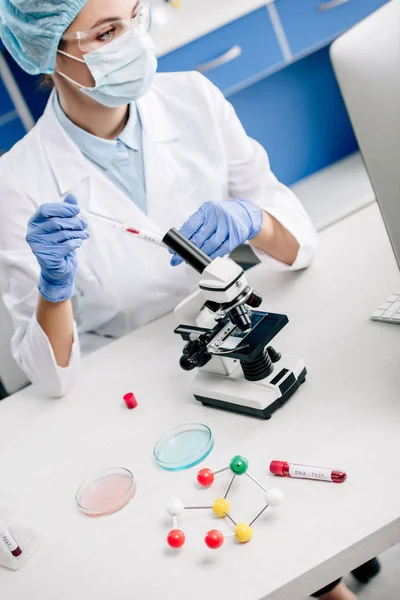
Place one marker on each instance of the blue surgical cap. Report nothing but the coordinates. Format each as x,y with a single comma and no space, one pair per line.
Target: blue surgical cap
31,30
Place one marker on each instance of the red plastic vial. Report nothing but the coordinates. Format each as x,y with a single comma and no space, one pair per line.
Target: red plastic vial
130,401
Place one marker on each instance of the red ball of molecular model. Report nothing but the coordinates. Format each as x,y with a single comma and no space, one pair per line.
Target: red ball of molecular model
221,507
205,477
176,538
214,539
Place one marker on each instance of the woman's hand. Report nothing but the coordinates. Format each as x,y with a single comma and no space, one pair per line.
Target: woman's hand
55,232
217,228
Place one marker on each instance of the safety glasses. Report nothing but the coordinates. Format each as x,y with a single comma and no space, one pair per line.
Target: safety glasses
95,39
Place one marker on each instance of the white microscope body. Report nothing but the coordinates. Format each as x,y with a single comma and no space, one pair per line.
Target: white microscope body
226,340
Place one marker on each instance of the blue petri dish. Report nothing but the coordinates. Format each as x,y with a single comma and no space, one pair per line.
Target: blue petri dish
184,446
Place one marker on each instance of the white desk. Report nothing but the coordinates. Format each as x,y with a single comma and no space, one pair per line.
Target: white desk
347,416
335,192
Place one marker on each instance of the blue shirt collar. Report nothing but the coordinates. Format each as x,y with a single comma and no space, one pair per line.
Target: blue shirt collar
101,151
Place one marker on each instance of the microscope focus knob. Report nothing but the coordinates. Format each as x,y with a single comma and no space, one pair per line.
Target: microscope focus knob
255,300
186,363
195,355
273,354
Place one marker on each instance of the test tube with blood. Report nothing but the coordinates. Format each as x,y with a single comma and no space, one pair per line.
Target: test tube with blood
8,542
285,469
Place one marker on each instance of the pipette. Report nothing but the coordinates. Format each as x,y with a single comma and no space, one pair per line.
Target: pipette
143,234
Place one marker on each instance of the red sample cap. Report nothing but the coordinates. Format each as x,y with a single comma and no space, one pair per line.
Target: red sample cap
130,400
277,467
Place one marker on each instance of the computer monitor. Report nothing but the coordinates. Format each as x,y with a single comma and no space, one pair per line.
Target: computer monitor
366,61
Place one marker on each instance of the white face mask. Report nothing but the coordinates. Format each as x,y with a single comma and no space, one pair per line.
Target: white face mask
123,70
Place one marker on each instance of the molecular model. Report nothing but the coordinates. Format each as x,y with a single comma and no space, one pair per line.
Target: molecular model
221,507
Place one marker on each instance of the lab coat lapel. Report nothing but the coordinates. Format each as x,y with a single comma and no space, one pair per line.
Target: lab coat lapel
105,198
160,136
73,172
65,159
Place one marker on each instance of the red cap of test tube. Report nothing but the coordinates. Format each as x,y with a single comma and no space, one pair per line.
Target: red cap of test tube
279,467
130,400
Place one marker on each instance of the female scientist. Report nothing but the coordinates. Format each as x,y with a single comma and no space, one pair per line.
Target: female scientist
117,140
147,150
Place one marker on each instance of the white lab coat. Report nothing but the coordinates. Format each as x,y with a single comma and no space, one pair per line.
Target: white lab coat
195,150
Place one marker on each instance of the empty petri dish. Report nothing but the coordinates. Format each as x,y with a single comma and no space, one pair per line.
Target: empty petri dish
106,492
184,446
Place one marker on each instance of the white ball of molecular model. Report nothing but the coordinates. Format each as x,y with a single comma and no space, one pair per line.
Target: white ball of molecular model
175,507
274,497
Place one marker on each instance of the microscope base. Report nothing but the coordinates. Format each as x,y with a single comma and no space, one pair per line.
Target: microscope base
255,398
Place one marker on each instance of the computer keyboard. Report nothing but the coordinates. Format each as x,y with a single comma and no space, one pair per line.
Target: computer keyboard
389,311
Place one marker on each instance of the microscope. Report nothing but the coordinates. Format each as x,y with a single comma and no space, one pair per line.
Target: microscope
227,339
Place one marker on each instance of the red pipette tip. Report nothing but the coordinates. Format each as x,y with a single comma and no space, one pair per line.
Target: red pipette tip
130,400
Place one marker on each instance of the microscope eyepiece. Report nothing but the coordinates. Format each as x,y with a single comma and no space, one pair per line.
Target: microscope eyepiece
194,257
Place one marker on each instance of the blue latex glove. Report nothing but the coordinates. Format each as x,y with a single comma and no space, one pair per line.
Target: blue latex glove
218,228
54,233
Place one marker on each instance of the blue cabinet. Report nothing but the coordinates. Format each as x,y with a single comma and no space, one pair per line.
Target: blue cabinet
309,23
6,104
11,128
10,133
298,115
235,53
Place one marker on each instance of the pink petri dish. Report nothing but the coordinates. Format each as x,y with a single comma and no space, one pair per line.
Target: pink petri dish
106,492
